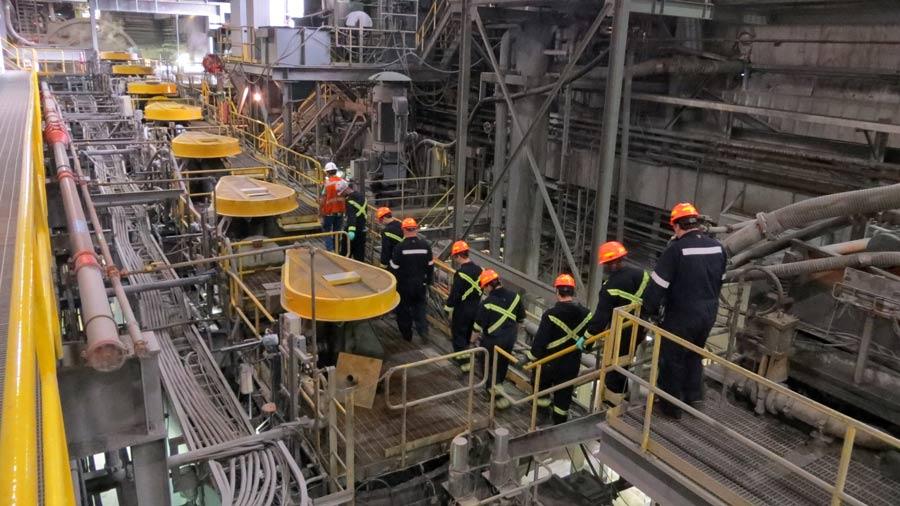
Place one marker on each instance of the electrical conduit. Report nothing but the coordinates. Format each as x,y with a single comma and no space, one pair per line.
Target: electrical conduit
104,352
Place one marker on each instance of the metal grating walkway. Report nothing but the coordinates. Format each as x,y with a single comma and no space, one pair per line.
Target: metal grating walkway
736,469
15,88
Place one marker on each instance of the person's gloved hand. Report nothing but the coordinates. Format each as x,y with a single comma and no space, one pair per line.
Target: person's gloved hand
352,235
580,343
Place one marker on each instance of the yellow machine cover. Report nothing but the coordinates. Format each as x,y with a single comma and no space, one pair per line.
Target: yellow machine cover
172,111
346,290
151,88
204,145
246,197
132,70
118,56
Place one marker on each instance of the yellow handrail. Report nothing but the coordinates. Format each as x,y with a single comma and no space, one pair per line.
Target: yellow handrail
611,362
33,346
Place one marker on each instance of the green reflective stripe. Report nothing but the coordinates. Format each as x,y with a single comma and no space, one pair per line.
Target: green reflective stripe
504,314
530,355
570,334
560,411
632,297
395,237
477,327
351,228
360,209
472,282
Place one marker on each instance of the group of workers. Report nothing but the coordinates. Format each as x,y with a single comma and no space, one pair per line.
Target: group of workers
682,293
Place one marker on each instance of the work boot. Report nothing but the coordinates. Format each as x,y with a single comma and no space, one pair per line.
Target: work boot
465,366
543,402
502,403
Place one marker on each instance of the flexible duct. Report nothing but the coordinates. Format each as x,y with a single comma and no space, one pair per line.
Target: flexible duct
769,247
9,26
870,200
793,269
104,352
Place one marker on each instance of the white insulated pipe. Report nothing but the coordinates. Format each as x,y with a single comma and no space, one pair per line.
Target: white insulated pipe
105,351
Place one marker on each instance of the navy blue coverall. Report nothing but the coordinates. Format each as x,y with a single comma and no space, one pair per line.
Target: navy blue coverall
356,223
413,265
498,320
463,302
625,285
561,326
686,282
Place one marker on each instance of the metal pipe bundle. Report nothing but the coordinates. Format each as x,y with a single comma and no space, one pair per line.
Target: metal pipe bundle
105,351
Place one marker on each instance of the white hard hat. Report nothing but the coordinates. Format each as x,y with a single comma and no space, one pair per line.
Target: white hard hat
331,167
341,186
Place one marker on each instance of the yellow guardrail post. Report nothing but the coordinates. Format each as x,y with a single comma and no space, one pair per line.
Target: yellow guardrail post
844,467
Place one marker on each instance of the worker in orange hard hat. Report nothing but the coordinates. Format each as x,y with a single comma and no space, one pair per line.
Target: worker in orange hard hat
332,203
391,234
497,324
686,281
562,326
462,302
413,265
625,285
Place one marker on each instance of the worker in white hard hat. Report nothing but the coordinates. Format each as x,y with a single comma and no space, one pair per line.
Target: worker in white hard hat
332,204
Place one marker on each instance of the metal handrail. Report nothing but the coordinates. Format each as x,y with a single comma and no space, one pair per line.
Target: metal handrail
33,347
853,426
405,404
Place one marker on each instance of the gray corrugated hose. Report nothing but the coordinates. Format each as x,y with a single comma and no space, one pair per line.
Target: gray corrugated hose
797,215
858,261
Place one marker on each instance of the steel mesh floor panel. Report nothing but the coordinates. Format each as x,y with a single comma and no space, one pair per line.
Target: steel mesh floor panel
748,473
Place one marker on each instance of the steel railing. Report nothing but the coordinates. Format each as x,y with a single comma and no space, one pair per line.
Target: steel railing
44,60
405,403
852,427
34,344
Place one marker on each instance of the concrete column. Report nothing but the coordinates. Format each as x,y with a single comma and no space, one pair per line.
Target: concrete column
524,210
462,120
286,109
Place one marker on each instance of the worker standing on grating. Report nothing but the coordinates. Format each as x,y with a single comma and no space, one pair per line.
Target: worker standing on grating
562,326
331,203
357,215
686,283
497,324
391,234
413,265
462,303
624,286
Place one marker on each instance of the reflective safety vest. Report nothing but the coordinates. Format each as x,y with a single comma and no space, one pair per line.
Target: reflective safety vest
360,213
505,314
333,203
636,297
574,335
474,288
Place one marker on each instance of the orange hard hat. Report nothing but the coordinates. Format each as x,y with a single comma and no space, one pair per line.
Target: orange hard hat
459,247
564,280
409,223
683,210
487,276
610,251
382,212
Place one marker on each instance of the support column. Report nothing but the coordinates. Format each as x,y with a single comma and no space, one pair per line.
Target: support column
287,107
608,142
151,474
92,13
462,120
524,205
623,152
501,119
